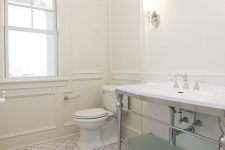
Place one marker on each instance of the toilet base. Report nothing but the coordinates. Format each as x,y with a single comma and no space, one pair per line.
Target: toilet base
89,139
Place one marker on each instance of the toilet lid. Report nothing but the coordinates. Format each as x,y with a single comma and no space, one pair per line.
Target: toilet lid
91,113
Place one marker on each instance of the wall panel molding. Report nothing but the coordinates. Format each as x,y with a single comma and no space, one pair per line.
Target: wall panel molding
123,72
87,72
125,79
79,76
191,73
87,78
26,132
29,95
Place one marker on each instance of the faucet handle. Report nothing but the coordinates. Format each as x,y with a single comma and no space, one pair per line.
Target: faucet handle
196,86
176,85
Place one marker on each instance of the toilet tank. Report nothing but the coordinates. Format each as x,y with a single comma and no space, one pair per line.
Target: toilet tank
109,98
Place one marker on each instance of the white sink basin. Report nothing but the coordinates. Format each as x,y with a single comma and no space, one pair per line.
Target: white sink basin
208,96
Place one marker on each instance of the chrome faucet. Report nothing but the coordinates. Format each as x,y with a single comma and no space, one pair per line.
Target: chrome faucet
196,87
176,85
185,79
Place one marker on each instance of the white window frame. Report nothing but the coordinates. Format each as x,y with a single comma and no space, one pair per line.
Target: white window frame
54,32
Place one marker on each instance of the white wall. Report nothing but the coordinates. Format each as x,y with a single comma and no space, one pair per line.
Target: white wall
124,36
190,39
35,110
87,28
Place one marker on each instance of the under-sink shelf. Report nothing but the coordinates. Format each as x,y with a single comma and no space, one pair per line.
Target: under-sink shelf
150,142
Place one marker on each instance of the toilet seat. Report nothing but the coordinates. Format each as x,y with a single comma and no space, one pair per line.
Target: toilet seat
93,113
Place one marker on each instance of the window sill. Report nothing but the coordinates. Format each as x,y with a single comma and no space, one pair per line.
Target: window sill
32,79
13,84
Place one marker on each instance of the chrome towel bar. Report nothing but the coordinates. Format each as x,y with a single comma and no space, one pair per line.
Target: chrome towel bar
66,98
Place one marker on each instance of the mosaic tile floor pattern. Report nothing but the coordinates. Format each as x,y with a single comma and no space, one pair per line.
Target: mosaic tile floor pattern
68,143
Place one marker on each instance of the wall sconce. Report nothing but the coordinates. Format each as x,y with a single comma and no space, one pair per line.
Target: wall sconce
153,18
151,14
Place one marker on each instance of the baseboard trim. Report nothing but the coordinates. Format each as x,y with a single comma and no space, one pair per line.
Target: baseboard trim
129,131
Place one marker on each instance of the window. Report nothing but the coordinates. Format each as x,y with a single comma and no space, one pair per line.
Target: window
30,38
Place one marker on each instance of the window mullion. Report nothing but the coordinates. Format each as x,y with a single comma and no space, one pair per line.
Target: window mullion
6,60
38,8
29,30
6,13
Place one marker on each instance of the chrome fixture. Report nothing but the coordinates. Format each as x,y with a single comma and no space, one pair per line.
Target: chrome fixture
153,18
196,86
185,79
167,125
2,96
172,131
66,98
182,118
119,106
152,15
222,137
222,142
176,85
198,123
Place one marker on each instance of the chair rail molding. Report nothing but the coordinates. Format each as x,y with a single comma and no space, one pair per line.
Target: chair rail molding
88,72
191,73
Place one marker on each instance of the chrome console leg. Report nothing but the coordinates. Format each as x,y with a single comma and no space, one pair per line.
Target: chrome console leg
119,106
172,132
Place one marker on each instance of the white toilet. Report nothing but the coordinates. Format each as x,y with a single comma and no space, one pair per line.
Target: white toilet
98,126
